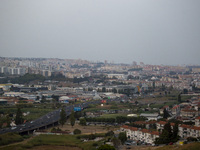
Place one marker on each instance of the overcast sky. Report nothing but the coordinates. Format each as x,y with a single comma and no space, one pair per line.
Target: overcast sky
122,31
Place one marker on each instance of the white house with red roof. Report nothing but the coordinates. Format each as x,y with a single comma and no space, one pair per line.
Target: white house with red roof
175,109
144,135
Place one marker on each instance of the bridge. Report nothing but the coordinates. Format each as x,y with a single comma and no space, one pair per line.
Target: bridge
49,120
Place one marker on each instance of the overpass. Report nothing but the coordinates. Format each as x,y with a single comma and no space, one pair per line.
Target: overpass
48,120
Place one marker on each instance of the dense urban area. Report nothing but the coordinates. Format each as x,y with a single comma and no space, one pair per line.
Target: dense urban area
49,103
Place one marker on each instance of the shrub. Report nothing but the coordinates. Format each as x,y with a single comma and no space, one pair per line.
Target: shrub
109,133
54,129
82,122
26,136
77,131
91,137
191,139
106,147
95,144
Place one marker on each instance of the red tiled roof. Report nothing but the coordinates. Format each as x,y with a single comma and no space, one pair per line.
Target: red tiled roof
145,131
165,107
175,107
126,127
198,117
184,126
187,107
134,128
155,133
131,128
172,124
139,122
195,128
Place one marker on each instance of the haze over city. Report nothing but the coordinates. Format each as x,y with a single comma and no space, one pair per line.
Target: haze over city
154,32
99,74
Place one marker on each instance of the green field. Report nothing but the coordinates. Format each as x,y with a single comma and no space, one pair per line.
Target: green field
58,140
9,138
112,115
36,110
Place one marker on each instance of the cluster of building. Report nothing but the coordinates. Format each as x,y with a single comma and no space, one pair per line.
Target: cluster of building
106,80
186,113
148,135
179,77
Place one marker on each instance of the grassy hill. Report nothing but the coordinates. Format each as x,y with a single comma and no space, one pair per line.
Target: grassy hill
190,146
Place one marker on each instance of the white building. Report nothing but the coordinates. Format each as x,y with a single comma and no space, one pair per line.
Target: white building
154,116
144,135
197,121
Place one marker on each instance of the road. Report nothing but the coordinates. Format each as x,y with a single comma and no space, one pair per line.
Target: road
50,119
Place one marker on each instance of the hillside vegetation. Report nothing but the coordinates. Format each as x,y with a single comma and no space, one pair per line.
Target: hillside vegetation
190,146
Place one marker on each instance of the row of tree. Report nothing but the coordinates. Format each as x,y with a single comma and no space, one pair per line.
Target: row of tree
63,117
7,119
118,119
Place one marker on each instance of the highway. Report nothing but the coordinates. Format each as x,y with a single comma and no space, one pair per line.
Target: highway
50,119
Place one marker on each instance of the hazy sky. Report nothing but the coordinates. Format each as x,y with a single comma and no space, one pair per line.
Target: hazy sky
152,31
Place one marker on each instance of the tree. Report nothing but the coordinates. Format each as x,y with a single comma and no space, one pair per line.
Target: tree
19,119
103,89
109,133
175,133
152,126
77,131
63,117
165,114
116,142
1,124
114,90
43,99
106,147
37,98
120,119
154,85
8,120
82,122
185,91
55,97
72,118
122,137
179,98
77,114
166,135
163,87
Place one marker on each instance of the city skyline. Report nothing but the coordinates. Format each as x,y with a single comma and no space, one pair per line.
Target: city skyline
153,32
